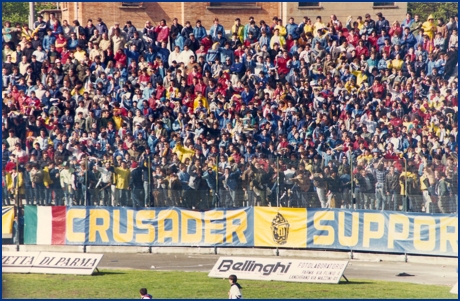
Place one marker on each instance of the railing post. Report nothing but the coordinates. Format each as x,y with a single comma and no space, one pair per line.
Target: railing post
150,184
216,193
17,205
351,182
406,197
277,190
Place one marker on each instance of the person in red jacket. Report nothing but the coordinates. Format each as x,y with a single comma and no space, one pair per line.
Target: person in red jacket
353,38
281,63
373,38
207,42
162,32
361,49
120,57
160,91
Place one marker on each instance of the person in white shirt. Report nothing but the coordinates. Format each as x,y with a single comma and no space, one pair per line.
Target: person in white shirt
43,140
235,288
81,108
185,55
67,179
12,140
23,65
105,183
40,54
175,55
288,175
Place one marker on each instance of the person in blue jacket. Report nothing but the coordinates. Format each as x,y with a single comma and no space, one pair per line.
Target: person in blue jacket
408,40
291,29
199,31
215,28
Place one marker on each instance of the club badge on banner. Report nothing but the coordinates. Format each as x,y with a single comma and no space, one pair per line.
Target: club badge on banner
280,227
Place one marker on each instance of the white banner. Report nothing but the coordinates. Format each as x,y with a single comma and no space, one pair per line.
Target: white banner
454,289
50,263
296,270
18,262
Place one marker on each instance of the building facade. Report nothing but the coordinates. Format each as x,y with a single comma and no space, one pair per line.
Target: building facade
139,12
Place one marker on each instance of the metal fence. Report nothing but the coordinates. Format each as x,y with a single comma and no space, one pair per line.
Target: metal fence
363,182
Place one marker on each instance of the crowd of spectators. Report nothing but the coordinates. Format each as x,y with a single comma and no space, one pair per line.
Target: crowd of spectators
358,113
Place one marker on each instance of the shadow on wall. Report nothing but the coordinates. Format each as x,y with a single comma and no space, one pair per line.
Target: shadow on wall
150,11
155,13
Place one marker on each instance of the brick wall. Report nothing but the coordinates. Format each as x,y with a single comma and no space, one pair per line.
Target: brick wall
202,11
192,11
155,11
113,11
344,9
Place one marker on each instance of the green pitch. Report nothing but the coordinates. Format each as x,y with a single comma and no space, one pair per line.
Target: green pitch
125,284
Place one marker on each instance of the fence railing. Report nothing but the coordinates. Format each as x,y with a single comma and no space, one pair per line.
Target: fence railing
361,183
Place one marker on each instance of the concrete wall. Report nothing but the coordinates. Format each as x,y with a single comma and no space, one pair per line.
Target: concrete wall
344,9
345,255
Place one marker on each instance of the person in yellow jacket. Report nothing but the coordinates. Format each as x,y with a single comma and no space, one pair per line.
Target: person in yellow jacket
122,174
47,181
197,100
281,28
79,54
308,28
277,38
411,179
7,51
117,119
351,85
365,158
183,152
397,63
26,32
15,183
360,22
429,27
360,76
238,28
318,25
171,92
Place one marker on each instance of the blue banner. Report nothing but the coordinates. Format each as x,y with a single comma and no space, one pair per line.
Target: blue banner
382,231
334,229
159,227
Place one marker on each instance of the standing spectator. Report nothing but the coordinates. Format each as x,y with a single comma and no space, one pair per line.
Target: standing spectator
216,28
136,185
199,31
129,30
235,288
162,31
101,27
122,174
174,32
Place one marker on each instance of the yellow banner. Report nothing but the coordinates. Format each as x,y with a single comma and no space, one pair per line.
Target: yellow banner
280,227
7,221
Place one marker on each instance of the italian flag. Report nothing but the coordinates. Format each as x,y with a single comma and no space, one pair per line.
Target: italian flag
44,225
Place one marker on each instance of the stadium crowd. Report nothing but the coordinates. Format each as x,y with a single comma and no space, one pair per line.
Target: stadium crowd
358,113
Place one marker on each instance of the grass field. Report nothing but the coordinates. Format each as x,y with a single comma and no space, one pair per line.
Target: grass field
125,284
